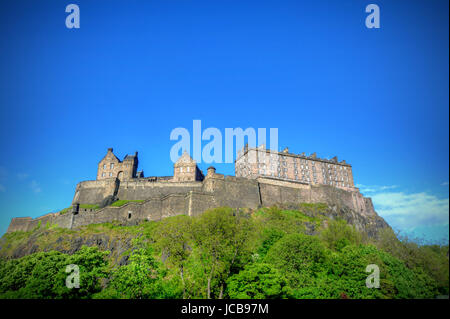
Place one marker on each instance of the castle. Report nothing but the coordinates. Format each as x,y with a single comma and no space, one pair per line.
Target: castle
263,178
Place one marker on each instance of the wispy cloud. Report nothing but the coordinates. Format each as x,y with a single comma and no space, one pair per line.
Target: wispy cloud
444,184
22,176
412,210
374,188
35,186
409,211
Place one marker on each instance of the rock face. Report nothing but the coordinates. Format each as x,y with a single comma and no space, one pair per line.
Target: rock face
119,240
69,243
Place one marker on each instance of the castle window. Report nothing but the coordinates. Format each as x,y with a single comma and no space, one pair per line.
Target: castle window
181,169
104,166
188,169
112,165
110,174
103,174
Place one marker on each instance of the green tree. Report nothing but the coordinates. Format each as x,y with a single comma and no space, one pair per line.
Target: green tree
141,278
93,267
339,234
257,281
172,237
223,237
299,256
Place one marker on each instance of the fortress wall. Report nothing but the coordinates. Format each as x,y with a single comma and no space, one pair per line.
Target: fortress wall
276,192
235,192
170,199
63,221
144,189
102,216
199,202
93,192
336,196
28,223
19,224
151,210
42,221
174,204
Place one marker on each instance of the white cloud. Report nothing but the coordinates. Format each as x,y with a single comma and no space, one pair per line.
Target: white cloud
444,184
406,211
35,187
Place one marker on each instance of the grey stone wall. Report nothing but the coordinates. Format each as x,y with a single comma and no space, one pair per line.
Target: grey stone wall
167,198
93,192
142,189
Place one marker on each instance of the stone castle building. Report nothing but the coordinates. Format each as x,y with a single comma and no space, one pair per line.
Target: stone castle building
263,179
261,162
111,167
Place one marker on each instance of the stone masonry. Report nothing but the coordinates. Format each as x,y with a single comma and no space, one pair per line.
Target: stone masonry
189,192
261,162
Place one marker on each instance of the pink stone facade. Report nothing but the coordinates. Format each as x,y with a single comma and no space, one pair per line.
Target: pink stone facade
261,162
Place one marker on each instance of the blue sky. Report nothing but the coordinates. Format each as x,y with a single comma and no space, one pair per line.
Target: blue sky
136,70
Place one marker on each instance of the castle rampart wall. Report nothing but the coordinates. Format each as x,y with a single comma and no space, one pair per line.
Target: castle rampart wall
143,189
165,199
93,192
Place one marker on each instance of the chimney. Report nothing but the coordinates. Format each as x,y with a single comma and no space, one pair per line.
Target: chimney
314,155
286,150
334,159
110,150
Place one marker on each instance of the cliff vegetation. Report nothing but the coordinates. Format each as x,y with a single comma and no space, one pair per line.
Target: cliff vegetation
223,253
